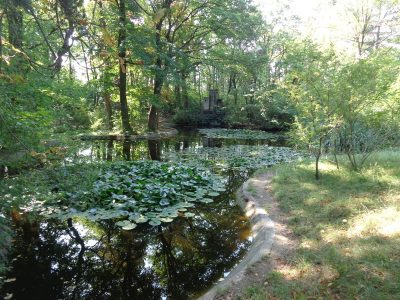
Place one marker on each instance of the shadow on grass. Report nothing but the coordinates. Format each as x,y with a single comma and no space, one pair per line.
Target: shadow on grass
364,269
339,195
333,262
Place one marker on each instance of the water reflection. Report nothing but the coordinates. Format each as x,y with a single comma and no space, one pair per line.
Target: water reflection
89,260
155,149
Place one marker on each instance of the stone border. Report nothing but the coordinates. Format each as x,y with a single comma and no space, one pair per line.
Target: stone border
263,232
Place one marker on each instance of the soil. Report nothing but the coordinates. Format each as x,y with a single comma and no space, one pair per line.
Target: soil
284,241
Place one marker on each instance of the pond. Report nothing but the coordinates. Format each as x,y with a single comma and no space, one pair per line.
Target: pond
84,259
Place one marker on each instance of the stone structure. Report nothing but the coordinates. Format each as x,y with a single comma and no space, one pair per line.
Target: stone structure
210,103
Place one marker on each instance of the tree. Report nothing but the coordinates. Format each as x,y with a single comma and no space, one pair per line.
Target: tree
14,12
375,23
185,32
312,83
363,88
123,67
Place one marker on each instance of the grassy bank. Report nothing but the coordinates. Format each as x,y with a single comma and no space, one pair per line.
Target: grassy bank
348,226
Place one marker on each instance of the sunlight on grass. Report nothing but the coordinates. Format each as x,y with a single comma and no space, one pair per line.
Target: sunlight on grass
348,226
384,222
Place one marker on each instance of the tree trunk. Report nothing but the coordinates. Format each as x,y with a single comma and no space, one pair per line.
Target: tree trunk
185,95
335,154
317,157
153,113
108,108
178,96
152,123
154,150
15,24
126,150
109,150
126,126
235,91
317,166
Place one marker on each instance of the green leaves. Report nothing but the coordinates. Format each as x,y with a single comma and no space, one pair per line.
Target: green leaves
239,134
237,157
142,192
155,222
213,194
126,225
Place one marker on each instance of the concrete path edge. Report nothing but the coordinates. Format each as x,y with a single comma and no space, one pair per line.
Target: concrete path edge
263,233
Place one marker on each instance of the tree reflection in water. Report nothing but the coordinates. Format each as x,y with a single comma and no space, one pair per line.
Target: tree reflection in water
97,261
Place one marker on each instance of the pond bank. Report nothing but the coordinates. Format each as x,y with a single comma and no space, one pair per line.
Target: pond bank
347,227
271,239
226,155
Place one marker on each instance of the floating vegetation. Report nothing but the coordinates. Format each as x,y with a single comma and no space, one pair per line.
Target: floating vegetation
239,134
140,192
241,157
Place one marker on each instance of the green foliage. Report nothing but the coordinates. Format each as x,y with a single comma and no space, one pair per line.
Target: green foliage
139,192
366,119
342,105
276,108
238,157
22,115
236,118
253,116
239,134
271,109
37,107
188,117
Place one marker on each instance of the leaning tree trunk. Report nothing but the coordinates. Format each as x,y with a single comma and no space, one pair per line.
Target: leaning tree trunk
152,123
126,126
153,113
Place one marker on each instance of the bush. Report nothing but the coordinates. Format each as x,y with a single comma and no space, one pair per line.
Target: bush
189,117
259,116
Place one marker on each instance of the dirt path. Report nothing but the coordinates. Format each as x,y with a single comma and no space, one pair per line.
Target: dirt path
272,244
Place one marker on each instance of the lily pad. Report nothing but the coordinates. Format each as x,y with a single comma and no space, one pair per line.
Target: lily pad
207,200
155,222
141,192
166,220
213,194
140,219
129,227
239,134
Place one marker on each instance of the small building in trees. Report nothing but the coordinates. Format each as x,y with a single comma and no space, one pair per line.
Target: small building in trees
212,101
213,113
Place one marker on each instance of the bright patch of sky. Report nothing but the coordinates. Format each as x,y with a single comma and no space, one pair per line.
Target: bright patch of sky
325,21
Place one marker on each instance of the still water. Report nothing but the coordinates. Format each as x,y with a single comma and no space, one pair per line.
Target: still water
96,260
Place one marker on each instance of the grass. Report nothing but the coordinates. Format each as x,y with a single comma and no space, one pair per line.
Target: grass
348,226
